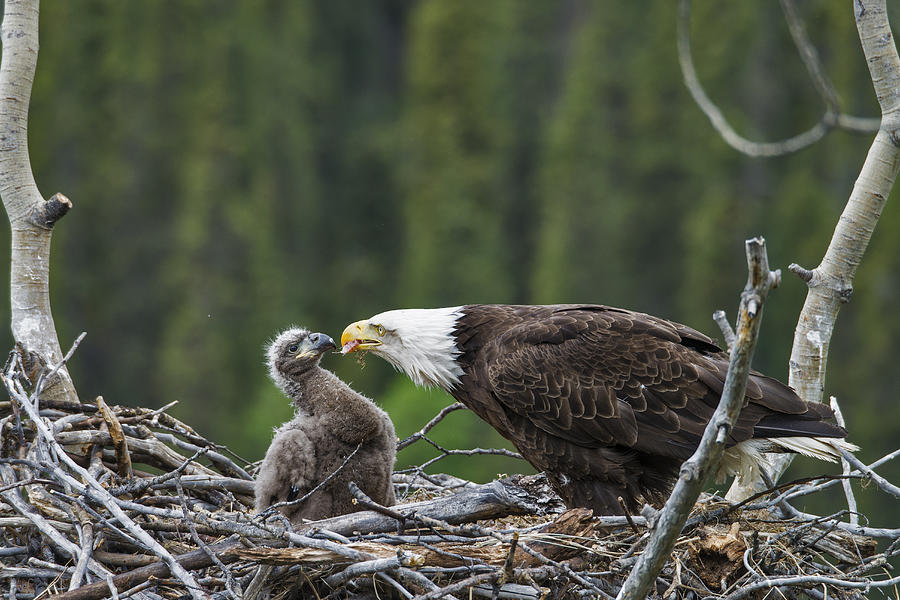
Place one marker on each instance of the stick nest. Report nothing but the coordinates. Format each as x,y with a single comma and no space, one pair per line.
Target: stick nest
99,501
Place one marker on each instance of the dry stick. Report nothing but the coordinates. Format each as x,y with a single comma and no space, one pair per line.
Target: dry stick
46,376
809,489
468,452
196,559
229,580
459,586
395,584
369,567
45,527
880,481
138,486
845,467
123,458
799,580
483,531
87,544
725,327
93,486
428,426
218,459
437,523
712,445
150,447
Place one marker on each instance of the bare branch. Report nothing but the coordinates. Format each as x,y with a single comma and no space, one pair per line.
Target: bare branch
93,487
845,468
830,119
428,426
725,327
880,481
830,284
712,445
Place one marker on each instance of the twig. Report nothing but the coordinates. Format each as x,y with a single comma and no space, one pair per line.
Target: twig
628,517
459,586
845,466
366,502
880,481
725,327
271,509
123,458
112,587
46,375
712,445
806,580
829,120
229,580
44,526
428,426
138,486
395,584
86,533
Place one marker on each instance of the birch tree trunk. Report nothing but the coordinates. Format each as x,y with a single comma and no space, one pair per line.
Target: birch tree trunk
830,284
31,218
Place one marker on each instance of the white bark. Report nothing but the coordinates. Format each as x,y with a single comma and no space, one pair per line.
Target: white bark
830,284
31,218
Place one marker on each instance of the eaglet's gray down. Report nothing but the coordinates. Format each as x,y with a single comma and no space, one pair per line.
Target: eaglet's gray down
332,422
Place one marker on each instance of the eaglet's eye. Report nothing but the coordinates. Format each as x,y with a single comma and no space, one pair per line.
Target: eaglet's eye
293,348
379,329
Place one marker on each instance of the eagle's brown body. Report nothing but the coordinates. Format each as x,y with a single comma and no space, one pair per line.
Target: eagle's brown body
608,402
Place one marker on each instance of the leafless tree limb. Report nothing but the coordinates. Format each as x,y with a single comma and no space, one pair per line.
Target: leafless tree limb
830,283
712,445
831,119
845,467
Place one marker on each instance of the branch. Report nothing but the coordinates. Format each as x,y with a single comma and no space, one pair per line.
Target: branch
428,426
845,468
725,327
830,284
712,445
509,496
830,119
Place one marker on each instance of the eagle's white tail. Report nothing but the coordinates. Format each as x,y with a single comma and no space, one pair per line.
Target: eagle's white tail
817,447
744,460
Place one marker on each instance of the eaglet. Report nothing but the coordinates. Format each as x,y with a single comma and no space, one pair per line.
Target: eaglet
335,433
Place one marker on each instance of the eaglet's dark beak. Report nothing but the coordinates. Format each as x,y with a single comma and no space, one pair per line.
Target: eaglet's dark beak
318,343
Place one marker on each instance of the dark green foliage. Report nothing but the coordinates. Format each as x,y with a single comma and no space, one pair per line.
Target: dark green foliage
239,166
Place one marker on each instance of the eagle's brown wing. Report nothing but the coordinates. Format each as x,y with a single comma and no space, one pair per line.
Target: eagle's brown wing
598,376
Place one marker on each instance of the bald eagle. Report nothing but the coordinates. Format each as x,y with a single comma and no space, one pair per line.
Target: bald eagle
336,436
608,402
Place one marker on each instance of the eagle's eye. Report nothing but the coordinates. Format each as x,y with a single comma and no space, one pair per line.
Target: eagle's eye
293,348
379,329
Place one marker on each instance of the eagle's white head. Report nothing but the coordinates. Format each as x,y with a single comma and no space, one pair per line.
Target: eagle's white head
419,342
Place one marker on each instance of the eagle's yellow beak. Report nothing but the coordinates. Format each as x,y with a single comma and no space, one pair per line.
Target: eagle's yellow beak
359,336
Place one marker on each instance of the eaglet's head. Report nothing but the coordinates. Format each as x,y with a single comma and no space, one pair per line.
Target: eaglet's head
294,352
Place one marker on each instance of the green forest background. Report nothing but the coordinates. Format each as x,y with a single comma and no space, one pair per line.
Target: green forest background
236,167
